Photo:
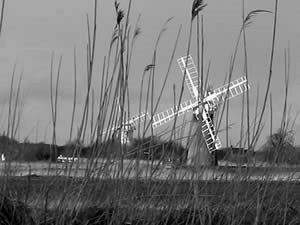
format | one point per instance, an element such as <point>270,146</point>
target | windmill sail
<point>133,120</point>
<point>187,66</point>
<point>228,91</point>
<point>165,116</point>
<point>129,124</point>
<point>209,134</point>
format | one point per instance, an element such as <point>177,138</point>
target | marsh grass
<point>116,189</point>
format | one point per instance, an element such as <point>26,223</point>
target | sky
<point>33,30</point>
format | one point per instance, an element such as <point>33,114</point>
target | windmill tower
<point>203,109</point>
<point>124,133</point>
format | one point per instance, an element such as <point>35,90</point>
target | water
<point>157,171</point>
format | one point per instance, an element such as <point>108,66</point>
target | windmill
<point>124,132</point>
<point>203,109</point>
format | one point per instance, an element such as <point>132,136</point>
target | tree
<point>280,148</point>
<point>282,139</point>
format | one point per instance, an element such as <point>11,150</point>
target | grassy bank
<point>177,202</point>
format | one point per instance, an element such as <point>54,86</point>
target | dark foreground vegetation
<point>61,200</point>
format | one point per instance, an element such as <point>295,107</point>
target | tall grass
<point>118,190</point>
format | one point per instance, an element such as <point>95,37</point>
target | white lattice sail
<point>187,66</point>
<point>228,91</point>
<point>169,114</point>
<point>209,134</point>
<point>127,125</point>
<point>133,120</point>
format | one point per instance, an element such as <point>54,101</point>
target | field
<point>222,195</point>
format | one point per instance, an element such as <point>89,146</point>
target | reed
<point>119,184</point>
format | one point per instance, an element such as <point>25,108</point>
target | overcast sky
<point>33,29</point>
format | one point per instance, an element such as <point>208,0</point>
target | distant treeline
<point>149,148</point>
<point>146,149</point>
